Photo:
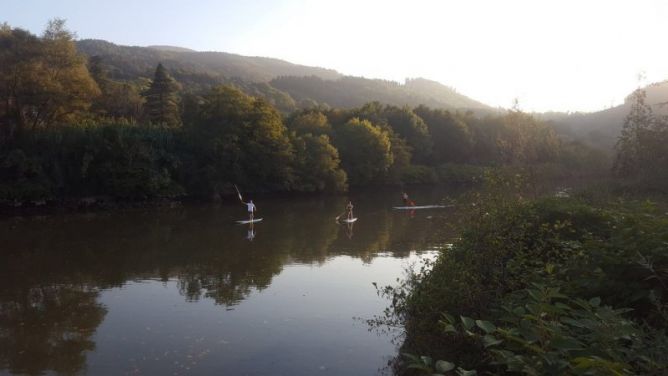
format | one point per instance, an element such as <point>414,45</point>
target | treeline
<point>69,129</point>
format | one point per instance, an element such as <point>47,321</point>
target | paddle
<point>239,194</point>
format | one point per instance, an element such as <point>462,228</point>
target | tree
<point>642,148</point>
<point>118,100</point>
<point>317,164</point>
<point>450,135</point>
<point>162,105</point>
<point>365,150</point>
<point>405,123</point>
<point>239,139</point>
<point>309,121</point>
<point>43,81</point>
<point>632,139</point>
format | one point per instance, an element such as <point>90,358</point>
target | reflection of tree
<point>202,248</point>
<point>48,328</point>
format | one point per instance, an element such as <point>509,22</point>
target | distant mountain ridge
<point>136,61</point>
<point>171,48</point>
<point>274,78</point>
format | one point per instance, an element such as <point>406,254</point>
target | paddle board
<point>253,221</point>
<point>419,207</point>
<point>348,220</point>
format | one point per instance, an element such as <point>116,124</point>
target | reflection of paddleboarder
<point>251,232</point>
<point>349,208</point>
<point>349,230</point>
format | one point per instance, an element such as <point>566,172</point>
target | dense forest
<point>72,127</point>
<point>75,125</point>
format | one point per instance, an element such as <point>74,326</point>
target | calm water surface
<point>188,291</point>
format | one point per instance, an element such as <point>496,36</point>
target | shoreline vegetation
<point>70,132</point>
<point>573,283</point>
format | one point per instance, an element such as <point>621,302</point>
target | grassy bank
<point>553,286</point>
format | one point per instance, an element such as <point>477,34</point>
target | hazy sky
<point>553,55</point>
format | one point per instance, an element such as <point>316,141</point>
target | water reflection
<point>48,327</point>
<point>251,232</point>
<point>54,267</point>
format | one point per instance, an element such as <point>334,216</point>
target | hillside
<point>286,85</point>
<point>602,128</point>
<point>348,92</point>
<point>131,62</point>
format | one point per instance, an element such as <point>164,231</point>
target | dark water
<point>185,291</point>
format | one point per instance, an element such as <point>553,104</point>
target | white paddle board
<point>253,221</point>
<point>349,220</point>
<point>419,207</point>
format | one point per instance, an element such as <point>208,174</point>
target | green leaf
<point>467,322</point>
<point>565,344</point>
<point>450,329</point>
<point>519,311</point>
<point>443,366</point>
<point>426,360</point>
<point>489,340</point>
<point>595,302</point>
<point>449,318</point>
<point>487,326</point>
<point>463,372</point>
<point>535,295</point>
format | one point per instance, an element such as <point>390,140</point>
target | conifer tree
<point>161,99</point>
<point>630,144</point>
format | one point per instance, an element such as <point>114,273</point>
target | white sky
<point>552,55</point>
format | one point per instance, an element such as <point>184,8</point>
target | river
<point>187,291</point>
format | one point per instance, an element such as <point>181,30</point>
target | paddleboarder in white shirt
<point>251,209</point>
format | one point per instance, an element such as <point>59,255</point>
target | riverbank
<point>561,285</point>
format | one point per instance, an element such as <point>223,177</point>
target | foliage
<point>162,106</point>
<point>449,132</point>
<point>317,165</point>
<point>238,139</point>
<point>109,141</point>
<point>118,100</point>
<point>405,123</point>
<point>43,80</point>
<point>563,262</point>
<point>118,160</point>
<point>365,150</point>
<point>642,148</point>
<point>309,121</point>
<point>549,333</point>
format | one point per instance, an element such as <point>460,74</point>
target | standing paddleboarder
<point>249,205</point>
<point>251,209</point>
<point>349,211</point>
<point>349,208</point>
